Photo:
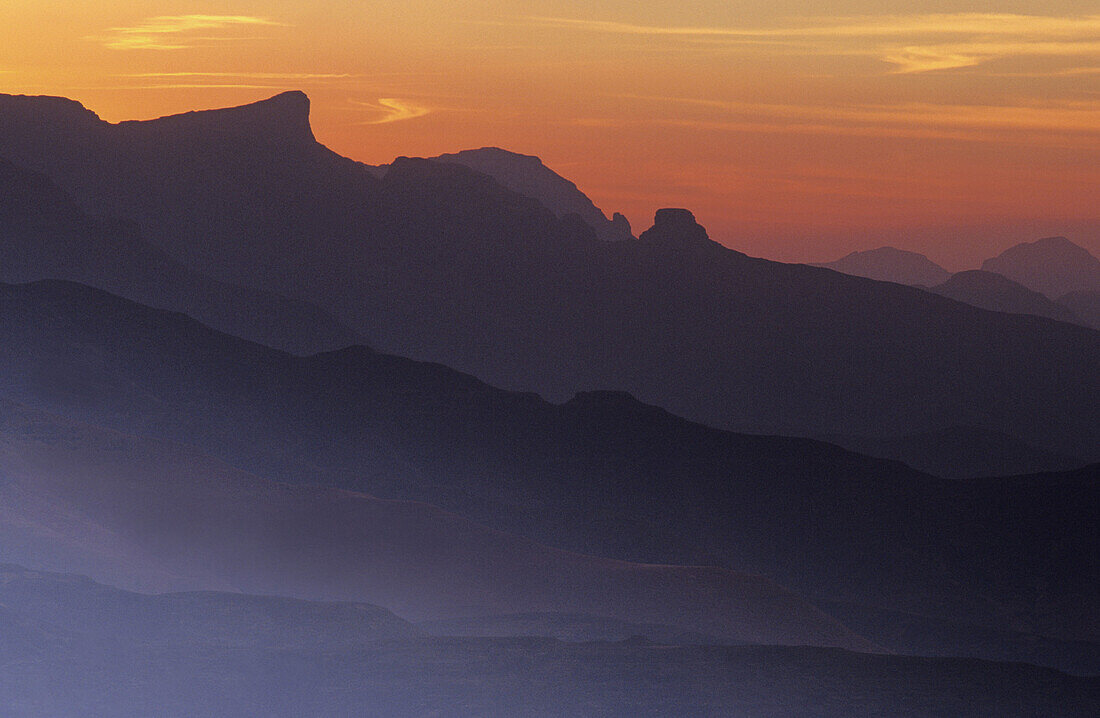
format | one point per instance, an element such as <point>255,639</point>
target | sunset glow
<point>793,131</point>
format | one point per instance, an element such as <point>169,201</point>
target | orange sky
<point>795,131</point>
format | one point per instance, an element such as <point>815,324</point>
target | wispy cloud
<point>912,43</point>
<point>178,32</point>
<point>393,109</point>
<point>1041,124</point>
<point>245,75</point>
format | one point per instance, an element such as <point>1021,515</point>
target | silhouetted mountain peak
<point>1058,242</point>
<point>621,224</point>
<point>890,264</point>
<point>418,168</point>
<point>672,217</point>
<point>1053,266</point>
<point>675,226</point>
<point>283,118</point>
<point>529,176</point>
<point>46,110</point>
<point>494,153</point>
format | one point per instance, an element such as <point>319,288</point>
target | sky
<point>795,131</point>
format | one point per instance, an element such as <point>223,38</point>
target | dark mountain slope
<point>439,262</point>
<point>602,473</point>
<point>1084,304</point>
<point>43,235</point>
<point>888,264</point>
<point>960,452</point>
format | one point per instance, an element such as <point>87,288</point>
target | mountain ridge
<point>439,263</point>
<point>602,474</point>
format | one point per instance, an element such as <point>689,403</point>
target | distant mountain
<point>961,453</point>
<point>441,263</point>
<point>995,292</point>
<point>1085,305</point>
<point>216,655</point>
<point>602,474</point>
<point>574,627</point>
<point>528,176</point>
<point>78,498</point>
<point>232,620</point>
<point>915,634</point>
<point>44,235</point>
<point>1053,266</point>
<point>888,264</point>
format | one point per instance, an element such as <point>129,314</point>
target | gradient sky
<point>797,131</point>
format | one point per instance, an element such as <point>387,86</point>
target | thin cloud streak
<point>393,109</point>
<point>1073,116</point>
<point>246,75</point>
<point>1068,124</point>
<point>175,32</point>
<point>982,36</point>
<point>1084,27</point>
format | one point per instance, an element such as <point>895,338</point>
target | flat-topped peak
<point>45,110</point>
<point>674,217</point>
<point>491,153</point>
<point>674,226</point>
<point>282,118</point>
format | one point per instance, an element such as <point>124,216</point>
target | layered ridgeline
<point>70,646</point>
<point>152,515</point>
<point>44,235</point>
<point>1085,305</point>
<point>440,262</point>
<point>1051,277</point>
<point>601,474</point>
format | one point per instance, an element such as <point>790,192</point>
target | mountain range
<point>601,474</point>
<point>153,516</point>
<point>67,649</point>
<point>282,433</point>
<point>439,262</point>
<point>1051,277</point>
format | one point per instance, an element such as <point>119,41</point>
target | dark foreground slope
<point>602,473</point>
<point>1085,305</point>
<point>439,262</point>
<point>240,665</point>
